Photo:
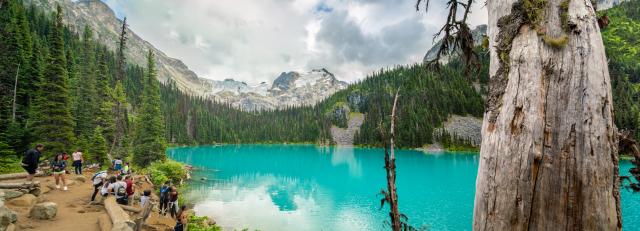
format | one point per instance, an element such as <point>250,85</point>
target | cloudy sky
<point>256,40</point>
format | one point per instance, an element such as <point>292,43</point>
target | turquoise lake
<point>306,187</point>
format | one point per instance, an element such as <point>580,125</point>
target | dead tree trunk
<point>391,195</point>
<point>548,159</point>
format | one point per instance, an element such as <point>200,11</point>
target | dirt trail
<point>74,210</point>
<point>344,137</point>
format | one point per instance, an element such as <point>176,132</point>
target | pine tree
<point>104,100</point>
<point>149,141</point>
<point>86,107</point>
<point>119,141</point>
<point>52,123</point>
<point>98,147</point>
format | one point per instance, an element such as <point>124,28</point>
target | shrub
<point>162,171</point>
<point>197,223</point>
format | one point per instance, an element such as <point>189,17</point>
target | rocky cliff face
<point>477,33</point>
<point>288,89</point>
<point>106,26</point>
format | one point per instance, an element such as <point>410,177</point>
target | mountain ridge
<point>102,19</point>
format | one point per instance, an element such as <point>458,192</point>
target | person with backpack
<point>119,190</point>
<point>173,202</point>
<point>58,166</point>
<point>98,180</point>
<point>129,181</point>
<point>31,160</point>
<point>77,161</point>
<point>164,198</point>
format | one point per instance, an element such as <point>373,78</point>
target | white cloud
<point>254,41</point>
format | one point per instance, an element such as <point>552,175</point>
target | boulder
<point>44,211</point>
<point>51,186</point>
<point>81,178</point>
<point>45,190</point>
<point>7,216</point>
<point>69,183</point>
<point>10,194</point>
<point>11,227</point>
<point>26,200</point>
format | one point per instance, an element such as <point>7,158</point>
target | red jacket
<point>129,187</point>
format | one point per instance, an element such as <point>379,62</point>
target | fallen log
<point>18,175</point>
<point>131,209</point>
<point>119,218</point>
<point>20,185</point>
<point>104,223</point>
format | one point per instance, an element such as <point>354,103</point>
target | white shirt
<point>99,177</point>
<point>77,156</point>
<point>144,200</point>
<point>116,186</point>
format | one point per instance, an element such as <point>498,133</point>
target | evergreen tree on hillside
<point>52,123</point>
<point>86,107</point>
<point>121,117</point>
<point>104,99</point>
<point>149,142</point>
<point>98,147</point>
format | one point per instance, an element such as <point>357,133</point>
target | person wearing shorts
<point>31,160</point>
<point>58,166</point>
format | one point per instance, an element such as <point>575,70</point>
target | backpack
<point>122,191</point>
<point>96,175</point>
<point>163,191</point>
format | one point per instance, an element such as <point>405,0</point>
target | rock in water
<point>81,178</point>
<point>44,211</point>
<point>25,200</point>
<point>10,194</point>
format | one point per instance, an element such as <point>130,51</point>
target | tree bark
<point>390,166</point>
<point>548,158</point>
<point>12,176</point>
<point>20,185</point>
<point>119,218</point>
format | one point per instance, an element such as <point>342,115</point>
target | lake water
<point>306,187</point>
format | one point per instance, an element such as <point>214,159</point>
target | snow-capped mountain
<point>288,89</point>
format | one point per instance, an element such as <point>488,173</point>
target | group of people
<point>31,161</point>
<point>119,185</point>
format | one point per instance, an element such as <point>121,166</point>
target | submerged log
<point>119,218</point>
<point>20,185</point>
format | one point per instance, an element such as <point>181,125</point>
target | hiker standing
<point>31,160</point>
<point>98,180</point>
<point>77,161</point>
<point>129,181</point>
<point>117,165</point>
<point>164,198</point>
<point>58,166</point>
<point>145,198</point>
<point>173,202</point>
<point>126,170</point>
